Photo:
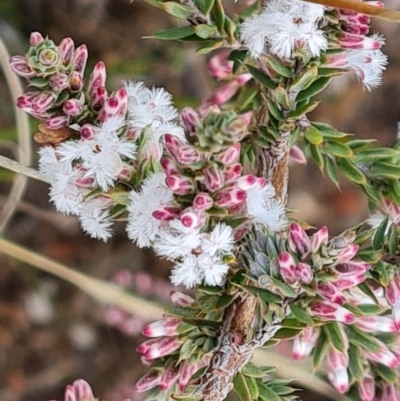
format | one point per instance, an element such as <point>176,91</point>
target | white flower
<point>95,219</point>
<point>213,269</point>
<point>48,162</point>
<point>154,194</point>
<point>70,151</point>
<point>284,25</point>
<point>187,273</point>
<point>219,241</point>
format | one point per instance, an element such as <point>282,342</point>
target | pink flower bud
<point>297,155</point>
<point>350,41</point>
<point>126,172</point>
<point>352,268</point>
<point>177,298</point>
<point>165,327</point>
<point>328,291</point>
<point>202,201</point>
<point>389,392</point>
<point>180,184</point>
<point>230,197</point>
<point>247,181</point>
<point>35,38</point>
<point>76,81</point>
<point>319,238</point>
<point>224,93</point>
<point>166,213</point>
<point>87,132</point>
<point>84,182</point>
<point>97,77</point>
<point>19,66</point>
<point>169,166</point>
<point>169,377</point>
<point>190,119</point>
<point>369,324</point>
<point>232,172</point>
<point>246,117</point>
<point>366,389</point>
<point>173,144</point>
<point>187,154</point>
<point>43,102</point>
<point>69,394</point>
<point>80,58</point>
<point>330,311</point>
<point>186,372</point>
<point>287,266</point>
<point>157,348</point>
<point>219,66</point>
<point>73,107</point>
<point>303,273</point>
<point>393,292</point>
<point>122,97</point>
<point>348,253</point>
<point>243,78</point>
<point>298,239</point>
<point>230,155</point>
<point>383,356</point>
<point>25,102</point>
<point>148,381</point>
<point>59,82</point>
<point>98,98</point>
<point>348,282</point>
<point>304,344</point>
<point>57,122</point>
<point>66,48</point>
<point>193,218</point>
<point>83,391</point>
<point>396,314</point>
<point>337,370</point>
<point>110,109</point>
<point>213,178</point>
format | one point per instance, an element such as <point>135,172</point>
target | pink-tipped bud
<point>80,58</point>
<point>247,181</point>
<point>230,155</point>
<point>396,314</point>
<point>298,239</point>
<point>331,311</point>
<point>180,184</point>
<point>165,327</point>
<point>297,155</point>
<point>19,66</point>
<point>352,268</point>
<point>57,122</point>
<point>246,117</point>
<point>122,96</point>
<point>69,394</point>
<point>73,107</point>
<point>169,166</point>
<point>351,41</point>
<point>369,324</point>
<point>187,154</point>
<point>59,82</point>
<point>35,38</point>
<point>186,372</point>
<point>44,102</point>
<point>348,282</point>
<point>166,213</point>
<point>97,77</point>
<point>126,172</point>
<point>319,238</point>
<point>148,381</point>
<point>219,66</point>
<point>110,109</point>
<point>161,347</point>
<point>337,370</point>
<point>82,390</point>
<point>180,299</point>
<point>193,218</point>
<point>203,201</point>
<point>84,182</point>
<point>98,98</point>
<point>173,144</point>
<point>213,178</point>
<point>232,172</point>
<point>390,392</point>
<point>328,291</point>
<point>169,377</point>
<point>230,197</point>
<point>87,132</point>
<point>76,81</point>
<point>383,356</point>
<point>304,344</point>
<point>348,253</point>
<point>25,102</point>
<point>366,389</point>
<point>66,48</point>
<point>303,273</point>
<point>224,93</point>
<point>287,266</point>
<point>190,119</point>
<point>243,78</point>
<point>392,292</point>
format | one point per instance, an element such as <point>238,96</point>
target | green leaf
<point>329,132</point>
<point>317,156</point>
<point>262,78</point>
<point>388,374</point>
<point>205,5</point>
<point>225,301</point>
<point>393,240</point>
<point>316,87</point>
<point>371,155</point>
<point>331,170</point>
<point>286,334</point>
<point>275,65</point>
<point>385,170</point>
<point>313,135</point>
<point>304,80</point>
<point>361,339</point>
<point>186,397</point>
<point>178,10</point>
<point>301,315</point>
<point>360,144</point>
<point>174,33</point>
<point>38,82</point>
<point>253,371</point>
<point>219,15</point>
<point>210,289</point>
<point>273,109</point>
<point>206,31</point>
<point>380,232</point>
<point>330,72</point>
<point>241,388</point>
<point>307,108</point>
<point>210,46</point>
<point>350,171</point>
<point>181,311</point>
<point>266,393</point>
<point>338,149</point>
<point>334,335</point>
<point>252,386</point>
<point>238,57</point>
<point>371,192</point>
<point>356,363</point>
<point>320,350</point>
<point>120,197</point>
<point>265,295</point>
<point>285,289</point>
<point>246,97</point>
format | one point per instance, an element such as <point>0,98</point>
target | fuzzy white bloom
<point>142,226</point>
<point>263,209</point>
<point>219,241</point>
<point>213,269</point>
<point>95,219</point>
<point>187,273</point>
<point>48,162</point>
<point>284,25</point>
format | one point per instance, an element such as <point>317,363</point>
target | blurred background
<point>52,333</point>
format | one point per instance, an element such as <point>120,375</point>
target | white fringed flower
<point>154,194</point>
<point>187,272</point>
<point>284,25</point>
<point>219,241</point>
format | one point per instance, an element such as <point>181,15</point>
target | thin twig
<point>24,140</point>
<point>12,165</point>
